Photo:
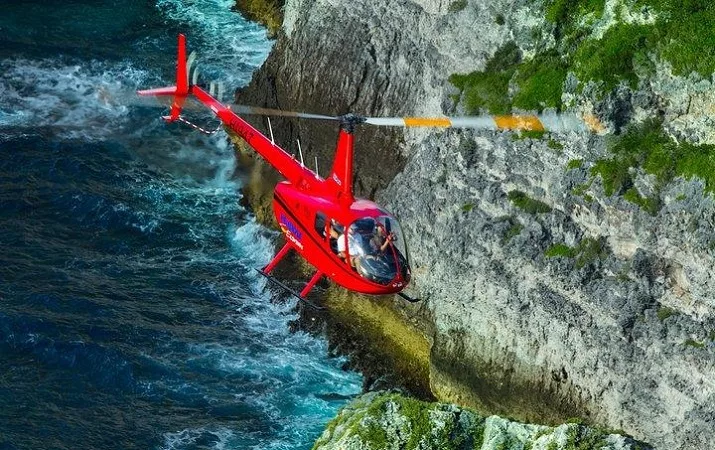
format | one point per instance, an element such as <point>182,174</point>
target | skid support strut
<point>318,275</point>
<point>276,259</point>
<point>266,272</point>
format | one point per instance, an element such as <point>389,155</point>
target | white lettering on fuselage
<point>337,180</point>
<point>292,238</point>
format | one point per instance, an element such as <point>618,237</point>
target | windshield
<point>377,248</point>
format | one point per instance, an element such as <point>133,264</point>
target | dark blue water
<point>130,314</point>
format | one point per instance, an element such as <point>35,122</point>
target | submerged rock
<point>392,421</point>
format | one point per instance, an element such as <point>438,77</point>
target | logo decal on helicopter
<point>291,231</point>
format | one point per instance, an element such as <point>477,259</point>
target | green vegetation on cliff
<point>586,252</point>
<point>540,82</point>
<point>609,46</point>
<point>596,45</point>
<point>488,89</point>
<point>528,204</point>
<point>648,147</point>
<point>266,12</point>
<point>379,421</point>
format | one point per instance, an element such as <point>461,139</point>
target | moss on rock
<point>393,421</point>
<point>266,12</point>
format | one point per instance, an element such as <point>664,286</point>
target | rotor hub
<point>348,122</point>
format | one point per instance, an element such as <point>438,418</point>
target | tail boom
<point>283,162</point>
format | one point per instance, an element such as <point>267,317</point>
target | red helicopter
<point>352,241</point>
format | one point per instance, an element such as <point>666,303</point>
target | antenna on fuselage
<point>300,152</point>
<point>270,129</point>
<point>316,166</point>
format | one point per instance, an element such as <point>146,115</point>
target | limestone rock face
<point>615,325</point>
<point>390,421</point>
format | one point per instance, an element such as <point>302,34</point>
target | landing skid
<point>281,285</point>
<point>408,298</point>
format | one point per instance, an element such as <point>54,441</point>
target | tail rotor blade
<point>190,62</point>
<point>221,89</point>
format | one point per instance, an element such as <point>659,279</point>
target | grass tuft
<point>664,312</point>
<point>540,81</point>
<point>586,252</point>
<point>560,250</point>
<point>513,231</point>
<point>613,58</point>
<point>693,343</point>
<point>457,5</point>
<point>528,204</point>
<point>647,146</point>
<point>649,204</point>
<point>574,164</point>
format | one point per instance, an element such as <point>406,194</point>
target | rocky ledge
<point>381,421</point>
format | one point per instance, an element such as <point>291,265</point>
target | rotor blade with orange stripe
<point>545,122</point>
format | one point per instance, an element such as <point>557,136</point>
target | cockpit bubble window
<point>377,249</point>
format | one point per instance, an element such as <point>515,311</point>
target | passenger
<point>334,230</point>
<point>353,247</point>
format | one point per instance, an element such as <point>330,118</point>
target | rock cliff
<point>562,275</point>
<point>391,421</point>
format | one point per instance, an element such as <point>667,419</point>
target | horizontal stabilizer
<point>158,91</point>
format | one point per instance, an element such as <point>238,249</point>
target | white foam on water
<point>228,40</point>
<point>284,376</point>
<point>86,101</point>
<point>221,438</point>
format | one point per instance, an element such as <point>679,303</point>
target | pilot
<point>380,241</point>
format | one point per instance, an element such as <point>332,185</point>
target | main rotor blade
<point>244,109</point>
<point>544,122</point>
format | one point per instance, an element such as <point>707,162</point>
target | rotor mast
<point>341,176</point>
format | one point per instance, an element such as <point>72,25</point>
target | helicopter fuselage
<point>305,220</point>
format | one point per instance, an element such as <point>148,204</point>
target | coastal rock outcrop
<point>383,421</point>
<point>558,280</point>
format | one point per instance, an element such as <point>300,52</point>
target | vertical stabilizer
<point>181,90</point>
<point>182,80</point>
